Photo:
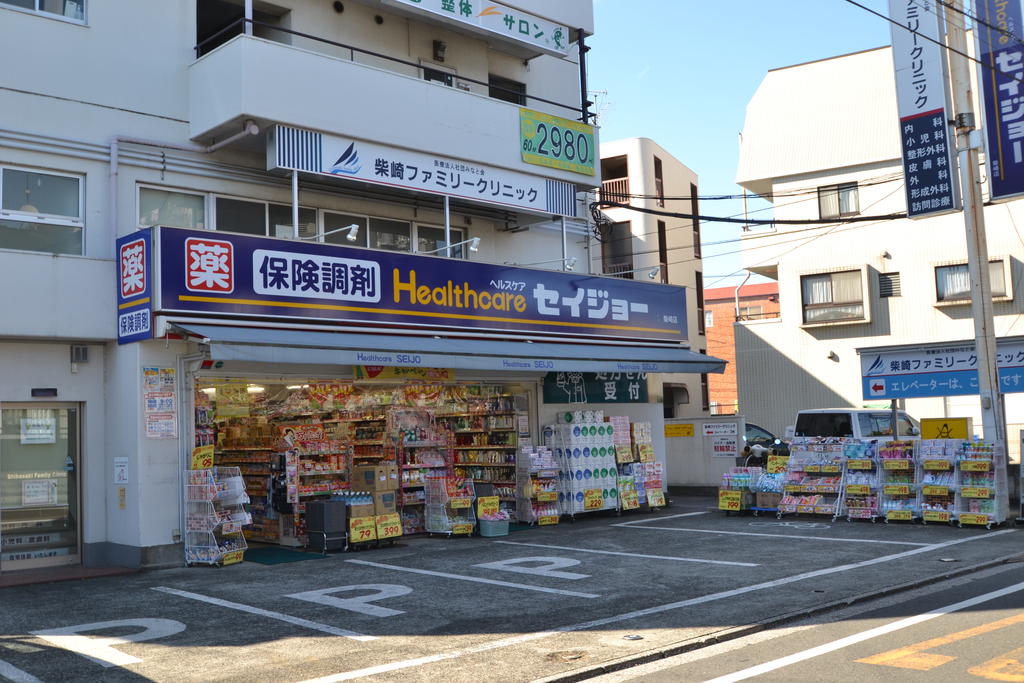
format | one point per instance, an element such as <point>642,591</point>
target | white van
<point>859,423</point>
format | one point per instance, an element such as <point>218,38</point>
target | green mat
<point>276,555</point>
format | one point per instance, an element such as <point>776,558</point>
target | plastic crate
<point>491,528</point>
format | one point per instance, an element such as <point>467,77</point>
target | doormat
<point>275,555</point>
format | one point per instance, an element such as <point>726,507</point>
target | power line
<point>753,221</point>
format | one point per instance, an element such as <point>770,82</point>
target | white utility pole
<point>967,139</point>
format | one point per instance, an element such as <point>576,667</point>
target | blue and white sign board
<point>330,155</point>
<point>135,287</point>
<point>937,371</point>
<point>1002,68</point>
<point>922,98</point>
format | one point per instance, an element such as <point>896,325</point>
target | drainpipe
<point>248,17</point>
<point>250,128</point>
<point>448,228</point>
<point>295,205</point>
<point>565,252</point>
<point>738,294</point>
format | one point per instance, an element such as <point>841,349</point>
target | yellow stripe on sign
<point>416,314</point>
<point>915,656</point>
<point>137,302</point>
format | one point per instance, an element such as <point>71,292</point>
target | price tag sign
<point>857,489</point>
<point>812,468</point>
<point>458,503</point>
<point>937,464</point>
<point>630,500</point>
<point>555,142</point>
<point>388,526</point>
<point>809,509</point>
<point>777,463</point>
<point>592,499</point>
<point>547,519</point>
<point>935,491</point>
<point>974,492</point>
<point>656,499</point>
<point>487,506</point>
<point>900,515</point>
<point>859,464</point>
<point>899,464</point>
<point>935,515</point>
<point>362,529</point>
<point>234,557</point>
<point>830,469</point>
<point>973,518</point>
<point>896,490</point>
<point>462,529</point>
<point>975,466</point>
<point>547,496</point>
<point>730,500</point>
<point>202,457</point>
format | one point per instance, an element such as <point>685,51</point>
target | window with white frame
<point>430,238</point>
<point>69,9</point>
<point>40,211</point>
<point>172,208</point>
<point>335,231</point>
<point>838,201</point>
<point>709,319</point>
<point>253,217</point>
<point>391,235</point>
<point>953,282</point>
<point>833,297</point>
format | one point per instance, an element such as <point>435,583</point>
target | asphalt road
<point>966,629</point>
<point>545,602</point>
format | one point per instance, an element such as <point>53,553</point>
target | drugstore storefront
<point>375,370</point>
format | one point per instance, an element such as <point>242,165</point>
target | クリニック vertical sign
<point>1002,93</point>
<point>923,102</point>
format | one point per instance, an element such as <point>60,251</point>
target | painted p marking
<point>548,567</point>
<point>100,648</point>
<point>360,604</point>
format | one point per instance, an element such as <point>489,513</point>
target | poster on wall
<point>39,492</point>
<point>724,446</point>
<point>36,430</point>
<point>159,402</point>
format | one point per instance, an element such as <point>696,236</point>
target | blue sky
<point>682,71</point>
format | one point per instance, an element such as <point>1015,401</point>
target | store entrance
<point>39,499</point>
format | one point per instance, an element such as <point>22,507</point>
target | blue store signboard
<point>134,287</point>
<point>240,276</point>
<point>937,371</point>
<point>1002,70</point>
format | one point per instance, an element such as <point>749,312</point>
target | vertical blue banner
<point>1002,96</point>
<point>135,287</point>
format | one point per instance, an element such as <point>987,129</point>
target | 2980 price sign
<point>555,142</point>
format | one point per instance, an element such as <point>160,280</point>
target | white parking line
<point>13,673</point>
<point>476,579</point>
<point>865,635</point>
<point>658,519</point>
<point>792,536</point>
<point>420,661</point>
<point>646,557</point>
<point>266,613</point>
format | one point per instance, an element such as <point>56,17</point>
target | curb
<point>749,629</point>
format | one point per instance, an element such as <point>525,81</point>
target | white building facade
<point>821,141</point>
<point>357,130</point>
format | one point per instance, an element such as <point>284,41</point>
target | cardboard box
<point>365,510</point>
<point>385,502</point>
<point>394,478</point>
<point>371,478</point>
<point>767,500</point>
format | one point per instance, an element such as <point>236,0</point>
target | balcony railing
<point>758,316</point>
<point>616,190</point>
<point>237,27</point>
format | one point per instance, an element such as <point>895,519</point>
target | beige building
<point>821,141</point>
<point>643,246</point>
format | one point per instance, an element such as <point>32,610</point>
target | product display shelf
<point>981,497</point>
<point>861,482</point>
<point>588,471</point>
<point>214,516</point>
<point>421,458</point>
<point>900,500</point>
<point>814,479</point>
<point>736,490</point>
<point>937,477</point>
<point>449,506</point>
<point>537,486</point>
<point>254,463</point>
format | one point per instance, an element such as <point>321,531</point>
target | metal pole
<point>447,229</point>
<point>295,205</point>
<point>565,252</point>
<point>974,224</point>
<point>584,102</point>
<point>248,17</point>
